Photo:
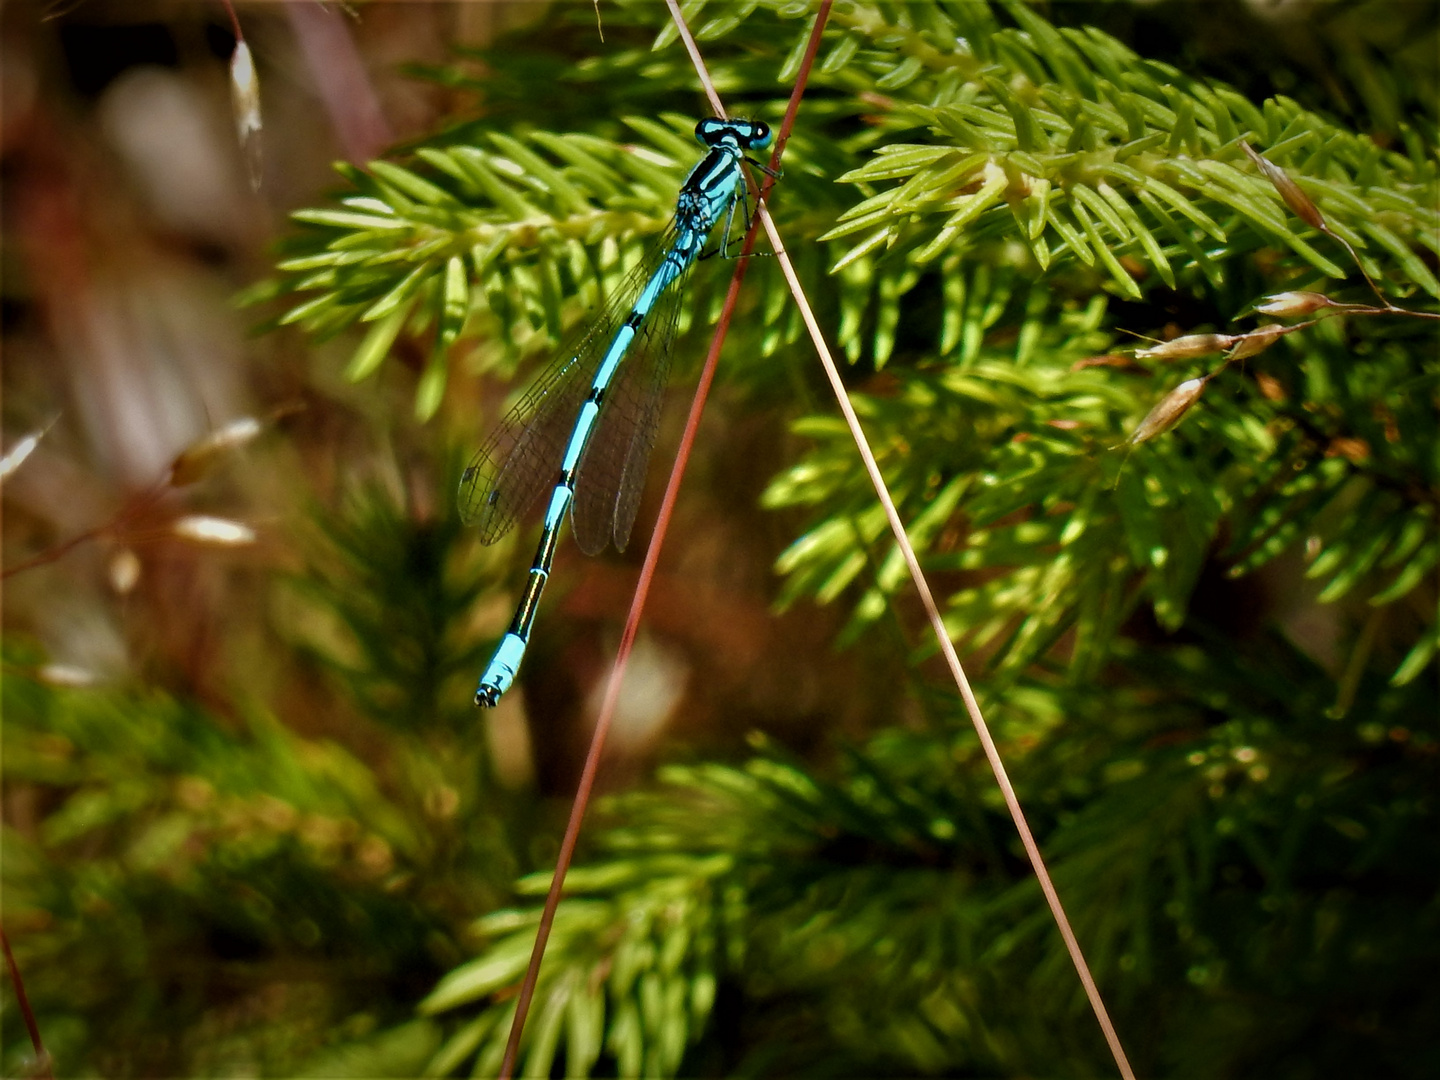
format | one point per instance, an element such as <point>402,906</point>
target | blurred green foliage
<point>983,199</point>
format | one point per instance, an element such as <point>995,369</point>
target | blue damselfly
<point>585,429</point>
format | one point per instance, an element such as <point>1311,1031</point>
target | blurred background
<point>130,230</point>
<point>130,227</point>
<point>251,816</point>
<point>216,517</point>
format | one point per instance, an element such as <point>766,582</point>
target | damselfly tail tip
<point>486,697</point>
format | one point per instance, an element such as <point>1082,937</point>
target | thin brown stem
<point>912,561</point>
<point>652,558</point>
<point>42,1057</point>
<point>136,506</point>
<point>234,19</point>
<point>947,648</point>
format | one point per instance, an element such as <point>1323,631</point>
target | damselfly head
<point>746,134</point>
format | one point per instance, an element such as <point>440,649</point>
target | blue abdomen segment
<point>501,672</point>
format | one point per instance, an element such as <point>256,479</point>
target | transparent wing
<point>520,461</point>
<point>612,472</point>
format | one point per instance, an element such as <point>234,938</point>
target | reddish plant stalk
<point>647,571</point>
<point>42,1058</point>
